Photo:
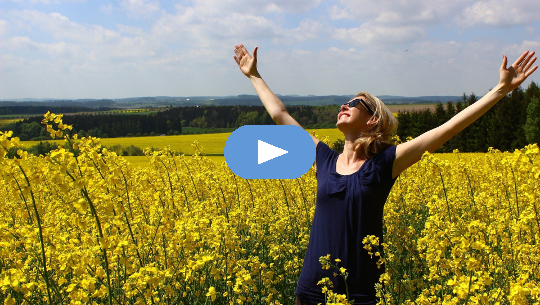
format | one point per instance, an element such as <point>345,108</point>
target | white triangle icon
<point>267,152</point>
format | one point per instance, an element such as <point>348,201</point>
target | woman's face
<point>353,118</point>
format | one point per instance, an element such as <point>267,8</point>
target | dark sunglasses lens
<point>355,102</point>
<point>349,104</point>
<point>367,107</point>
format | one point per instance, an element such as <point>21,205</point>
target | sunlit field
<point>213,144</point>
<point>463,229</point>
<point>4,122</point>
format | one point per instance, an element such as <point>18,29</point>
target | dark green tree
<point>532,122</point>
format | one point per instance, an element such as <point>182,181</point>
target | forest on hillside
<point>512,123</point>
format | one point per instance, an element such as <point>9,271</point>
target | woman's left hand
<point>513,76</point>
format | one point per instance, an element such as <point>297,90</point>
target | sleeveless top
<point>348,208</point>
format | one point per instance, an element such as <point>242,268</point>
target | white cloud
<point>368,34</point>
<point>60,27</point>
<point>255,6</point>
<point>308,29</point>
<point>500,13</point>
<point>89,44</point>
<point>107,9</point>
<point>385,47</point>
<point>197,29</point>
<point>391,12</point>
<point>131,30</point>
<point>44,1</point>
<point>201,28</point>
<point>4,27</point>
<point>140,8</point>
<point>10,63</point>
<point>516,50</point>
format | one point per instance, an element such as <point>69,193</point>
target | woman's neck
<point>352,155</point>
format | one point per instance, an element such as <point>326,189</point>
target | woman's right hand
<point>246,63</point>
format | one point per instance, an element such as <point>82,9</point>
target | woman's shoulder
<point>384,154</point>
<point>324,156</point>
<point>382,163</point>
<point>323,148</point>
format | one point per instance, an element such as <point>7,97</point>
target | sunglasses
<point>355,102</point>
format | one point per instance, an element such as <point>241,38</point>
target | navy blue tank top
<point>348,208</point>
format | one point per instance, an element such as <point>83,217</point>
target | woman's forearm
<point>275,107</point>
<point>470,114</point>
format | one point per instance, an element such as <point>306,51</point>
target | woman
<point>353,186</point>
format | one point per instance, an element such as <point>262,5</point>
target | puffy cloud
<point>199,27</point>
<point>4,27</point>
<point>368,34</point>
<point>396,12</point>
<point>91,44</point>
<point>307,30</point>
<point>131,30</point>
<point>45,1</point>
<point>194,28</point>
<point>140,8</point>
<point>107,9</point>
<point>61,27</point>
<point>518,49</point>
<point>256,6</point>
<point>470,13</point>
<point>500,13</point>
<point>398,47</point>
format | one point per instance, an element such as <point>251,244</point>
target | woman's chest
<point>344,168</point>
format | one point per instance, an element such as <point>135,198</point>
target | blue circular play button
<point>269,151</point>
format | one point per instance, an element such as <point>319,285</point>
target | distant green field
<point>141,111</point>
<point>17,116</point>
<point>4,122</point>
<point>197,130</point>
<point>212,144</point>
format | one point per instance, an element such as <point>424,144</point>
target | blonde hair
<point>379,136</point>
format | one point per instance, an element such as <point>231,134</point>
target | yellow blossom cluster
<point>464,231</point>
<point>81,226</point>
<point>332,298</point>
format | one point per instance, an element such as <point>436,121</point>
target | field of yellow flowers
<point>89,229</point>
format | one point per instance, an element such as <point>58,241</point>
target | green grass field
<point>212,144</point>
<point>197,130</point>
<point>4,122</point>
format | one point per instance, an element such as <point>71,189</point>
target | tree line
<point>170,121</point>
<point>33,109</point>
<point>512,123</point>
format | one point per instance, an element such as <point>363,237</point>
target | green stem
<point>40,231</point>
<point>103,250</point>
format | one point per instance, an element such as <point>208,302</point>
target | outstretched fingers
<point>237,54</point>
<point>519,61</point>
<point>528,63</point>
<point>243,50</point>
<point>531,70</point>
<point>522,65</point>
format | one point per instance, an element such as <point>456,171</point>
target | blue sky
<point>114,49</point>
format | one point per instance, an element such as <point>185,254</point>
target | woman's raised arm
<point>275,107</point>
<point>510,78</point>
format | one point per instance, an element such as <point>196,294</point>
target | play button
<point>269,151</point>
